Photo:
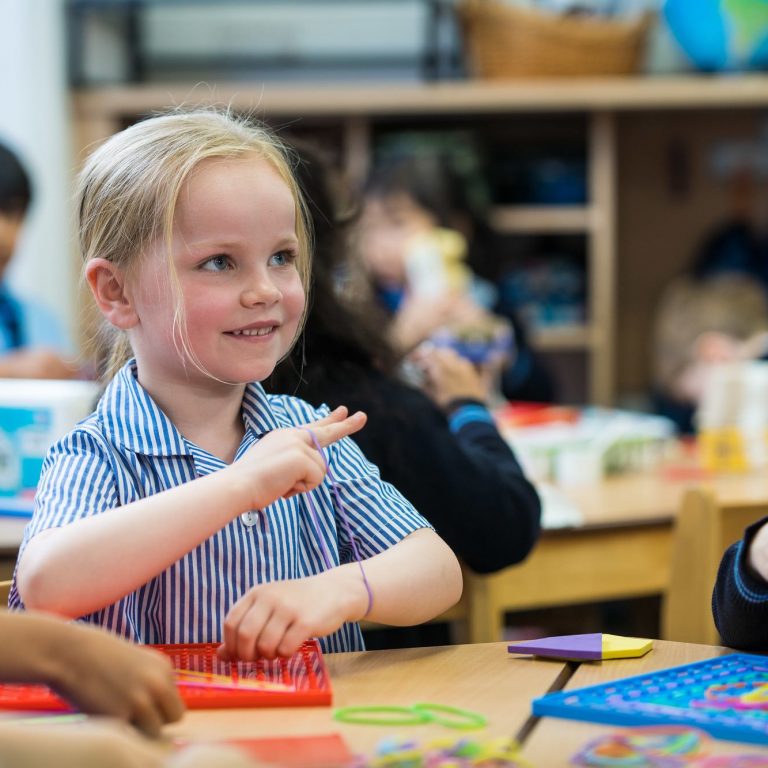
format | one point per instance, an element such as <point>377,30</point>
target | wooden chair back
<point>5,589</point>
<point>704,529</point>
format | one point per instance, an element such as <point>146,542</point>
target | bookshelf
<point>352,112</point>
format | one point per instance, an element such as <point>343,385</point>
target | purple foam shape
<point>589,647</point>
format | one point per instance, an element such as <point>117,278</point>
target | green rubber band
<point>370,716</point>
<point>458,719</point>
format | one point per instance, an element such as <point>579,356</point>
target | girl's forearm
<point>413,581</point>
<point>82,567</point>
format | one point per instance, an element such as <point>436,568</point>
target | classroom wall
<point>34,119</point>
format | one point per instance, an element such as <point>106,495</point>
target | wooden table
<point>622,548</point>
<point>482,678</point>
<point>552,741</point>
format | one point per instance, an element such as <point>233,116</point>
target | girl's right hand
<point>285,462</point>
<point>275,618</point>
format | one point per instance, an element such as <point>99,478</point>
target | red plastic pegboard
<point>305,671</point>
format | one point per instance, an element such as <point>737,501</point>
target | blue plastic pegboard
<point>706,694</point>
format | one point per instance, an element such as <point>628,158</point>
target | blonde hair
<point>731,303</point>
<point>128,190</point>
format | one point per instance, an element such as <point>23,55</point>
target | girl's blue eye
<point>282,258</point>
<point>216,264</point>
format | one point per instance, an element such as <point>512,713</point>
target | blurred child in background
<point>430,256</point>
<point>32,343</point>
<point>701,323</point>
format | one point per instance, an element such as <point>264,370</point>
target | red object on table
<point>305,671</point>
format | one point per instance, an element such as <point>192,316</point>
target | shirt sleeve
<point>740,598</point>
<point>77,481</point>
<point>376,514</point>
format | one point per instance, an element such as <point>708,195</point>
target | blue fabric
<point>129,449</point>
<point>391,297</point>
<point>25,323</point>
<point>739,565</point>
<point>468,414</point>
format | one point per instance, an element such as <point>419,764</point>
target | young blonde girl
<point>191,506</point>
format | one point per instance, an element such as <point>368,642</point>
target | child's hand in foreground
<point>275,618</point>
<point>101,673</point>
<point>285,462</point>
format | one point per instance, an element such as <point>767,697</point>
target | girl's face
<point>234,251</point>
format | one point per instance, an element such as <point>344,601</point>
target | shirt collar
<point>133,420</point>
<point>258,413</point>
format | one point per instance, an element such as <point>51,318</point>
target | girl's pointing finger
<point>330,433</point>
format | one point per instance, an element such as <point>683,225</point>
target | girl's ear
<point>108,285</point>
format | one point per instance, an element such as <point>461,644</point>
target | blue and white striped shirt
<point>129,449</point>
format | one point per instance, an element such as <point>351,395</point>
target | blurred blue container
<point>721,35</point>
<point>474,348</point>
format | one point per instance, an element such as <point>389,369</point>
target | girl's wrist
<point>236,490</point>
<point>349,586</point>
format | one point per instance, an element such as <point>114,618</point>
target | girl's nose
<point>260,290</point>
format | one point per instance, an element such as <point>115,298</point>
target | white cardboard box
<point>34,414</point>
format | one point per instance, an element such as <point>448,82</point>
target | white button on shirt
<point>128,449</point>
<point>249,517</point>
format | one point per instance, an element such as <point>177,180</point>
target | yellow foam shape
<point>616,647</point>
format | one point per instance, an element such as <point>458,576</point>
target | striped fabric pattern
<point>128,449</point>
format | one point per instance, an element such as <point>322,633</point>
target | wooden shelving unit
<point>355,109</point>
<point>543,219</point>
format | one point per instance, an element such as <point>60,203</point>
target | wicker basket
<point>503,40</point>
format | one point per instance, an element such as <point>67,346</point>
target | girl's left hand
<point>275,618</point>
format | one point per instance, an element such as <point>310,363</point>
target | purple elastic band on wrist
<point>344,520</point>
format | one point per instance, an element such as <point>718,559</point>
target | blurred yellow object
<point>434,263</point>
<point>723,449</point>
<point>732,417</point>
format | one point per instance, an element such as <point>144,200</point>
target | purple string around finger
<point>344,520</point>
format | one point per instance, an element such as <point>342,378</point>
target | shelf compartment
<point>563,337</point>
<point>536,219</point>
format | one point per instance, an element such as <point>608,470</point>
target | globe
<point>721,35</point>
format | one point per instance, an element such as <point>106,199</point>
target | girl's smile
<point>255,331</point>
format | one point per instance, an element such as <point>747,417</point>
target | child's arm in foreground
<point>98,672</point>
<point>127,546</point>
<point>411,582</point>
<point>107,745</point>
<point>740,598</point>
<point>758,553</point>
